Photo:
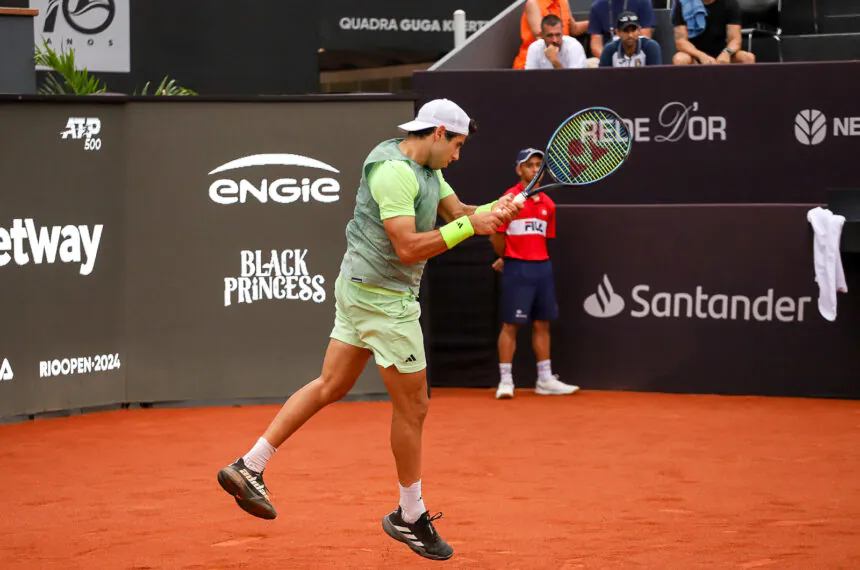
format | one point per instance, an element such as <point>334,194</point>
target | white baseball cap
<point>439,113</point>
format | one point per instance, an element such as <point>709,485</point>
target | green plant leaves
<point>166,87</point>
<point>74,81</point>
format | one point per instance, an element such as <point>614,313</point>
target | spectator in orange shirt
<point>530,28</point>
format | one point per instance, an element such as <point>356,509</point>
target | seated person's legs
<point>743,57</point>
<point>681,58</point>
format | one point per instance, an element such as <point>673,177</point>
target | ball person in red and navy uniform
<point>528,290</point>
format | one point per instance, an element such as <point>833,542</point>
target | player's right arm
<point>394,187</point>
<point>413,246</point>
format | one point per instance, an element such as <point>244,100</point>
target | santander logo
<point>605,303</point>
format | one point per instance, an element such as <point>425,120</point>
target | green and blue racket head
<point>589,146</point>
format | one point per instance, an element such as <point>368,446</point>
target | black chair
<point>761,18</point>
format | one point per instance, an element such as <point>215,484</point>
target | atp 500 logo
<point>85,128</point>
<point>281,190</point>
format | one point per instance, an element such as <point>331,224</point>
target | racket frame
<point>530,190</point>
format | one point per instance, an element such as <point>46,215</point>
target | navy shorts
<point>528,292</point>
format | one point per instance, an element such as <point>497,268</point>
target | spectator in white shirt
<point>555,50</point>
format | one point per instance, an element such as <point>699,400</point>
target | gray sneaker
<point>248,489</point>
<point>420,536</point>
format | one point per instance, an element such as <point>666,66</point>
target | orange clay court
<point>597,480</point>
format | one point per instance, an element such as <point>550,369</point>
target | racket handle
<point>519,198</point>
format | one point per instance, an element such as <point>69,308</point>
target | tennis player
<point>389,239</point>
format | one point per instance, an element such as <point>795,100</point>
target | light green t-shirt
<point>394,187</point>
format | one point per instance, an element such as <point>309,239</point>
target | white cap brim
<point>416,125</point>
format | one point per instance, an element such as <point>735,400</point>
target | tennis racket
<point>589,146</point>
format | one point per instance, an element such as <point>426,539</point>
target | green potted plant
<point>74,81</point>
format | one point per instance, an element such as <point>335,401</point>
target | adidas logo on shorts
<point>411,358</point>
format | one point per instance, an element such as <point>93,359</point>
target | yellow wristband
<point>485,207</point>
<point>457,231</point>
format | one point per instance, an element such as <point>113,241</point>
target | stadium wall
<point>140,262</point>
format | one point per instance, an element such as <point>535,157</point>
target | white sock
<point>505,372</point>
<point>412,502</point>
<point>544,370</point>
<point>259,455</point>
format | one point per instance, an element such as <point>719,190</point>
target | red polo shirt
<point>525,237</point>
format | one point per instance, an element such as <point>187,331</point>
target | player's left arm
<point>450,207</point>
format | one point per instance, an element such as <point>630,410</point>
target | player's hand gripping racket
<point>587,147</point>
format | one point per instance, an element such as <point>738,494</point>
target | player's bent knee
<point>412,411</point>
<point>419,411</point>
<point>408,392</point>
<point>333,388</point>
<point>416,408</point>
<point>416,403</point>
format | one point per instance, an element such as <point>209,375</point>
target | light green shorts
<point>385,324</point>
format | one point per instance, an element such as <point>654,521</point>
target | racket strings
<point>576,156</point>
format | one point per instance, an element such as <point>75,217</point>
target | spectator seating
<point>818,30</point>
<point>775,30</point>
<point>761,18</point>
<point>793,30</point>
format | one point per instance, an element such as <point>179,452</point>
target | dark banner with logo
<point>713,299</point>
<point>716,299</point>
<point>761,134</point>
<point>733,134</point>
<point>235,238</point>
<point>387,24</point>
<point>61,257</point>
<point>175,251</point>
